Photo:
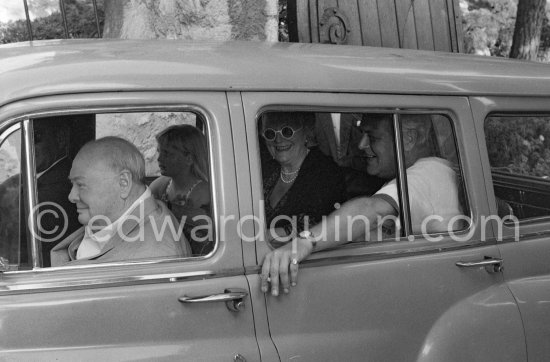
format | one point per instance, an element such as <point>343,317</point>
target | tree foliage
<point>80,21</point>
<point>520,145</point>
<point>489,27</point>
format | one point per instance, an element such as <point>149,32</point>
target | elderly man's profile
<point>121,219</point>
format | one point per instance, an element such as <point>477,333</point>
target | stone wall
<point>192,19</point>
<point>141,129</point>
<point>179,19</point>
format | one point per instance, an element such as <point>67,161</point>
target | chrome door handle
<point>492,265</point>
<point>232,297</point>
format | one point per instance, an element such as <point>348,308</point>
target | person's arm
<point>158,186</point>
<point>352,221</point>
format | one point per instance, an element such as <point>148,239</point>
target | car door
<point>413,298</point>
<point>195,308</point>
<point>514,148</point>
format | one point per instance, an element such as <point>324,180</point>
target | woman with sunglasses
<point>183,184</point>
<point>300,182</point>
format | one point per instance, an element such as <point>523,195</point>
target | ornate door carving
<point>414,24</point>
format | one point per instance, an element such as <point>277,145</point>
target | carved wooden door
<point>413,24</point>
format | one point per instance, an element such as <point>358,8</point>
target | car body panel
<point>129,311</point>
<point>400,301</point>
<point>483,327</point>
<point>525,249</point>
<point>391,301</point>
<point>66,67</point>
<point>526,272</point>
<point>127,323</point>
<point>379,310</point>
<point>248,228</point>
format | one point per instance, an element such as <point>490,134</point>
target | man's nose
<point>73,195</point>
<point>364,144</point>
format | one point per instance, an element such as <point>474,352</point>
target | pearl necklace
<point>290,176</point>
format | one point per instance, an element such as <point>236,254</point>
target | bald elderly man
<point>121,219</point>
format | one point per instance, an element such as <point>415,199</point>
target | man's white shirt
<point>92,243</point>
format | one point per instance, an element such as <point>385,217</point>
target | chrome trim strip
<point>9,131</point>
<point>103,283</point>
<point>208,118</point>
<point>481,263</point>
<point>214,177</point>
<point>32,198</point>
<point>529,221</point>
<point>221,297</point>
<point>523,237</point>
<point>125,264</point>
<point>121,109</point>
<point>451,116</point>
<point>402,175</point>
<point>374,256</point>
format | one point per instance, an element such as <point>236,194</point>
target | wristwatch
<point>308,235</point>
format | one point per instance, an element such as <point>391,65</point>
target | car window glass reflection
<point>10,198</point>
<point>101,173</point>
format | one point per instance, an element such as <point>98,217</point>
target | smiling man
<point>432,189</point>
<point>122,221</point>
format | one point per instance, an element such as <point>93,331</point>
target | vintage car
<point>477,291</point>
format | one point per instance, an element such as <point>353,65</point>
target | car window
<point>435,187</point>
<point>86,214</point>
<point>313,162</point>
<point>10,200</point>
<point>519,155</point>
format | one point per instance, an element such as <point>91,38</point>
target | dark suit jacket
<point>347,155</point>
<point>143,224</point>
<point>54,186</point>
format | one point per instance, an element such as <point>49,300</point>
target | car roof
<point>53,67</point>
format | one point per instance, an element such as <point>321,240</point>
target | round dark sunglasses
<point>286,132</point>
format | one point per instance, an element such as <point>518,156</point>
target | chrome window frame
<point>401,180</point>
<point>30,117</point>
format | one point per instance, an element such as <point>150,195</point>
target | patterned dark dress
<point>200,240</point>
<point>319,186</point>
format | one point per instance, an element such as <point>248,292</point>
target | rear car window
<point>519,154</point>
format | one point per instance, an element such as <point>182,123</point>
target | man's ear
<point>410,138</point>
<point>125,183</point>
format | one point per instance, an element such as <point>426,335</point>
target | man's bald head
<point>117,154</point>
<point>107,176</point>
